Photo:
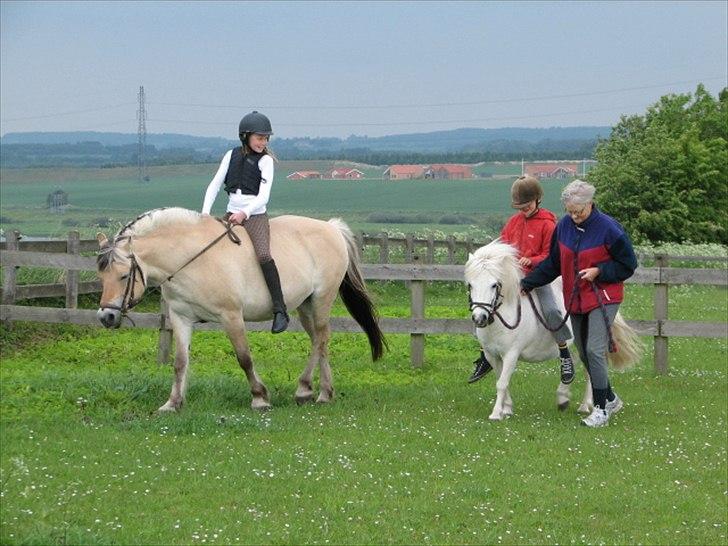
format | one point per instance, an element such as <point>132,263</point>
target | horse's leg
<point>304,392</point>
<point>182,330</point>
<point>235,329</point>
<point>509,365</point>
<point>563,396</point>
<point>587,403</point>
<point>321,306</point>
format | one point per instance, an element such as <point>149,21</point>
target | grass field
<point>402,456</point>
<point>111,197</point>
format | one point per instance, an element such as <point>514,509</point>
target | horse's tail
<point>353,292</point>
<point>629,346</point>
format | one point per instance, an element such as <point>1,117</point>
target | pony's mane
<point>141,225</point>
<point>499,259</point>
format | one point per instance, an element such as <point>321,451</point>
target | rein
<point>128,301</point>
<point>612,344</point>
<point>228,232</point>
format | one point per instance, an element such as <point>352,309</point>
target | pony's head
<point>122,277</point>
<point>492,273</point>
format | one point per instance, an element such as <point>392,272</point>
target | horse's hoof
<point>323,400</point>
<point>167,408</point>
<point>494,417</point>
<point>584,409</point>
<point>563,406</point>
<point>304,399</point>
<point>261,405</point>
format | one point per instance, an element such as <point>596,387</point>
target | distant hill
<point>91,148</point>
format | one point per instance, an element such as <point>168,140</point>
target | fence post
<point>360,242</point>
<point>431,249</point>
<point>661,299</point>
<point>384,248</point>
<point>165,333</point>
<point>417,311</point>
<point>10,273</point>
<point>450,249</point>
<point>72,247</point>
<point>409,248</point>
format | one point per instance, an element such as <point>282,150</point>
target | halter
<point>491,308</point>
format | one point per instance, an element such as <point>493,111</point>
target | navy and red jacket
<point>599,241</point>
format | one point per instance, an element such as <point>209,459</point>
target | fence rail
<point>65,255</point>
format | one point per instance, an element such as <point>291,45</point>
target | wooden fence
<point>66,255</point>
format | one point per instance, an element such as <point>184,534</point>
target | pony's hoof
<point>323,399</point>
<point>302,399</point>
<point>563,406</point>
<point>495,417</point>
<point>584,409</point>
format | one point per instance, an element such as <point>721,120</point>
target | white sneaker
<point>598,418</point>
<point>614,406</point>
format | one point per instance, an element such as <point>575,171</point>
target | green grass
<point>115,196</point>
<point>402,456</point>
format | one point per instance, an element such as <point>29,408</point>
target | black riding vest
<point>243,173</point>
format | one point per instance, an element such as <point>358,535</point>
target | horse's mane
<point>141,225</point>
<point>152,219</point>
<point>500,260</point>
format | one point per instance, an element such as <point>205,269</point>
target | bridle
<point>491,307</point>
<point>128,301</point>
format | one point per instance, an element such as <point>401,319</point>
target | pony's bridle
<point>490,308</point>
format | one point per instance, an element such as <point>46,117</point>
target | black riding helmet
<point>255,122</point>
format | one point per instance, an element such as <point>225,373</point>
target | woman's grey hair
<point>578,192</point>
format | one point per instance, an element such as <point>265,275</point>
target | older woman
<point>594,255</point>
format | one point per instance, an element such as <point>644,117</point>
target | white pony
<point>508,329</point>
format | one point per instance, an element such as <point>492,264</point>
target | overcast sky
<point>342,68</point>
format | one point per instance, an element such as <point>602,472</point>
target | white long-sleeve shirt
<point>239,202</point>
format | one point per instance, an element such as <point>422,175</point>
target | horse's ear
<point>103,241</point>
<point>470,256</point>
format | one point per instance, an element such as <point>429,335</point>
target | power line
<point>441,104</point>
<point>44,116</point>
<point>421,122</point>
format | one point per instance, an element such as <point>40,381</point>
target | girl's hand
<point>524,262</point>
<point>589,274</point>
<point>238,218</point>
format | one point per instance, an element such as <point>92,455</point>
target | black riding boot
<point>280,316</point>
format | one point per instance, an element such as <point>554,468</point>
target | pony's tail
<point>629,346</point>
<point>353,292</point>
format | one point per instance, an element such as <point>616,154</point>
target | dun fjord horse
<point>205,276</point>
<point>493,277</point>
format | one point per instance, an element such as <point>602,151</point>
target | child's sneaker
<point>598,418</point>
<point>482,367</point>
<point>567,370</point>
<point>614,406</point>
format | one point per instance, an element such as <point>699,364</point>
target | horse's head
<point>122,280</point>
<point>492,274</point>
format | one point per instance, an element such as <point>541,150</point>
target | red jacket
<point>531,236</point>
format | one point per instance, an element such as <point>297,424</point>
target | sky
<point>334,69</point>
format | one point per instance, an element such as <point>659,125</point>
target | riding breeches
<point>591,336</point>
<point>259,232</point>
<point>551,313</point>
